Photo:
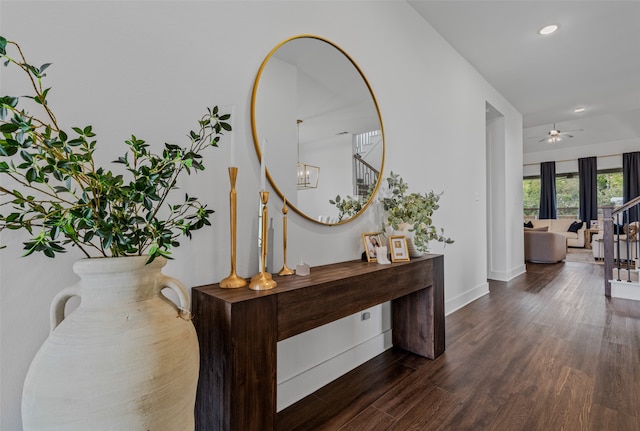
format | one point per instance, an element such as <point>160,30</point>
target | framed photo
<point>371,240</point>
<point>399,250</point>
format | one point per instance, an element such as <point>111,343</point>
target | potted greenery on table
<point>412,214</point>
<point>121,360</point>
<point>409,214</point>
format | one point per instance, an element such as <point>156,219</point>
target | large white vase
<point>403,229</point>
<point>126,359</point>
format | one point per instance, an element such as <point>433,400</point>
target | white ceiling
<point>593,60</point>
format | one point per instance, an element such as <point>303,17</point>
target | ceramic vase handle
<point>183,295</point>
<point>56,312</point>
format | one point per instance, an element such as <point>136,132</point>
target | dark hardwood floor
<point>545,351</point>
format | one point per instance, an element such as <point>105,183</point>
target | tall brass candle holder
<point>233,280</point>
<point>263,280</point>
<point>285,269</point>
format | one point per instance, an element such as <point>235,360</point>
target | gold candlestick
<point>233,280</point>
<point>285,269</point>
<point>263,280</point>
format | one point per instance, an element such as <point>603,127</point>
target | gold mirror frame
<point>256,140</point>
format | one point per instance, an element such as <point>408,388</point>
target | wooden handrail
<point>633,202</point>
<point>364,176</point>
<point>361,160</point>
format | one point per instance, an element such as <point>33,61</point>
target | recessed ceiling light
<point>548,29</point>
<point>579,109</point>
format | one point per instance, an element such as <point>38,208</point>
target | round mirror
<point>313,111</point>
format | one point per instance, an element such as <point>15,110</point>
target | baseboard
<point>309,381</point>
<point>507,276</point>
<point>625,290</point>
<point>467,297</point>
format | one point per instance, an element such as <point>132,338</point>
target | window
<point>609,184</point>
<point>531,196</point>
<point>609,188</point>
<point>568,194</point>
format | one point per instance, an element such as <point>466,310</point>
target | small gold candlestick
<point>285,269</point>
<point>263,280</point>
<point>233,280</point>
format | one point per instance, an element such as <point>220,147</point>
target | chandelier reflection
<point>307,174</point>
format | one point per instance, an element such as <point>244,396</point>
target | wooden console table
<point>238,329</point>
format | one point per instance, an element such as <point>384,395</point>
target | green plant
<point>350,206</point>
<point>414,209</point>
<point>62,198</point>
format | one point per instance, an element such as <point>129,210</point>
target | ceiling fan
<point>554,135</point>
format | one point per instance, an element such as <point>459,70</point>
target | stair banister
<point>365,172</point>
<point>608,216</point>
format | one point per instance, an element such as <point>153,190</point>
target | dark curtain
<point>631,180</point>
<point>547,190</point>
<point>588,172</point>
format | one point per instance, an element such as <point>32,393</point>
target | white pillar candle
<point>263,168</point>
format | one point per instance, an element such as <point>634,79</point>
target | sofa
<point>561,226</point>
<point>620,234</point>
<point>544,247</point>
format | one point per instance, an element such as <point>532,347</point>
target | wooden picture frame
<point>370,240</point>
<point>398,248</point>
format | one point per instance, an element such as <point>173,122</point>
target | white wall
<point>151,68</point>
<point>496,186</point>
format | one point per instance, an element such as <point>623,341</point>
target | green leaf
<point>26,156</point>
<point>45,92</point>
<point>3,46</point>
<point>75,142</point>
<point>9,128</point>
<point>31,175</point>
<point>55,231</point>
<point>9,101</point>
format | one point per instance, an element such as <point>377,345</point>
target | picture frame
<point>370,240</point>
<point>398,248</point>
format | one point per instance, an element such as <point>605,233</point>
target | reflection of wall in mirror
<point>275,116</point>
<point>333,156</point>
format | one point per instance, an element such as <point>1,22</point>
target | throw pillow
<point>528,224</point>
<point>575,227</point>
